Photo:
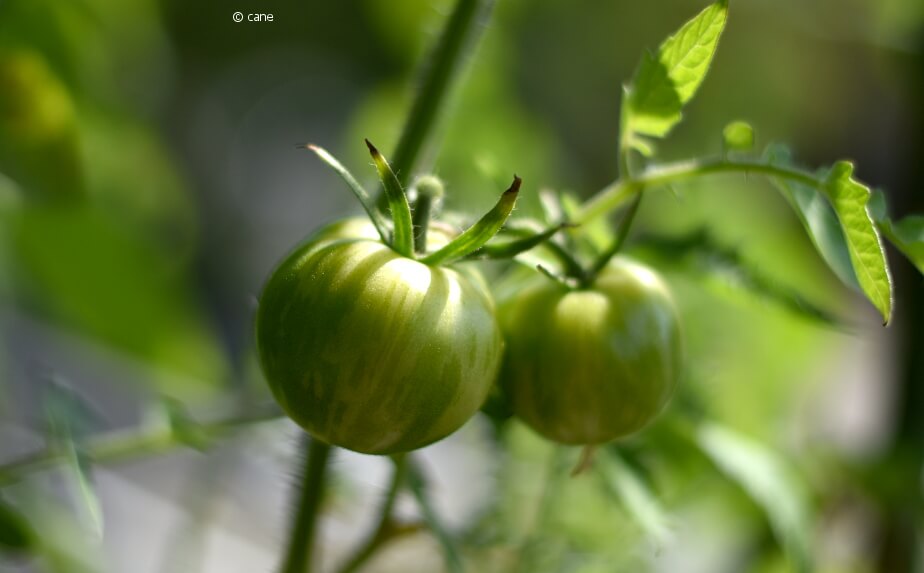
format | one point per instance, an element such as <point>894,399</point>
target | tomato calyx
<point>404,227</point>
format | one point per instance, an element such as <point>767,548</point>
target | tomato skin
<point>372,351</point>
<point>587,366</point>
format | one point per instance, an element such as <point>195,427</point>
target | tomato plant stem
<point>300,553</point>
<point>459,36</point>
<point>622,231</point>
<point>423,205</point>
<point>615,194</point>
<point>386,529</point>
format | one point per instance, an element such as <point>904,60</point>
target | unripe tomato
<point>372,351</point>
<point>586,366</point>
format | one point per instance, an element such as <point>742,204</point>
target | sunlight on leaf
<point>850,198</point>
<point>817,217</point>
<point>665,81</point>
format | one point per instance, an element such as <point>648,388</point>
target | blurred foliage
<point>118,126</point>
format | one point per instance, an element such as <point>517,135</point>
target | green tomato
<point>372,351</point>
<point>438,234</point>
<point>586,366</point>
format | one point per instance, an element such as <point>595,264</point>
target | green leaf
<point>817,217</point>
<point>769,482</point>
<point>850,199</point>
<point>665,81</point>
<point>15,533</point>
<point>907,235</point>
<point>639,501</point>
<point>361,194</point>
<point>403,239</point>
<point>481,232</point>
<point>417,483</point>
<point>738,136</point>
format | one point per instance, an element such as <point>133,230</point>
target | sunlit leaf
<point>850,198</point>
<point>773,486</point>
<point>817,217</point>
<point>665,81</point>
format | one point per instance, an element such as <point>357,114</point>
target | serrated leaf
<point>817,217</point>
<point>665,81</point>
<point>769,482</point>
<point>15,533</point>
<point>639,501</point>
<point>738,136</point>
<point>907,235</point>
<point>481,232</point>
<point>850,199</point>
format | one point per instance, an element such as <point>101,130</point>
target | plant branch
<point>300,552</point>
<point>135,443</point>
<point>459,36</point>
<point>387,529</point>
<point>620,190</point>
<point>622,231</point>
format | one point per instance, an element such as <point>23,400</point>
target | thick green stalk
<point>465,24</point>
<point>623,189</point>
<point>300,553</point>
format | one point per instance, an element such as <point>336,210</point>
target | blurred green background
<point>149,181</point>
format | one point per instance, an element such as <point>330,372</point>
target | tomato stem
<point>622,231</point>
<point>428,192</point>
<point>623,189</point>
<point>301,551</point>
<point>460,35</point>
<point>586,461</point>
